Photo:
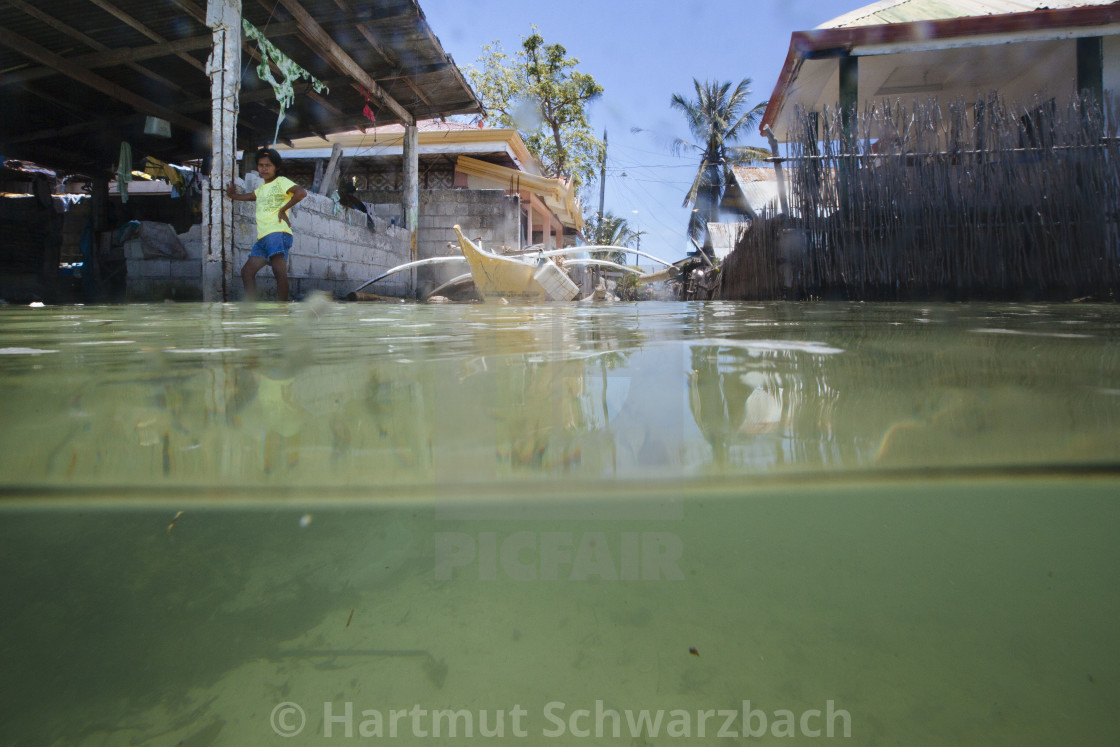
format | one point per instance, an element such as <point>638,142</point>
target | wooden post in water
<point>224,69</point>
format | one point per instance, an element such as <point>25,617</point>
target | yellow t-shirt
<point>272,196</point>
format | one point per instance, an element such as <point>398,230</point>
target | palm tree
<point>612,230</point>
<point>717,117</point>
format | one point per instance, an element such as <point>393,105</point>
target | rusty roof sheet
<point>725,236</point>
<point>908,11</point>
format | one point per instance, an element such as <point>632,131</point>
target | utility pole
<point>602,199</point>
<point>603,178</point>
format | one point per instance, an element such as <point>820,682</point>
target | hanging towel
<point>124,170</point>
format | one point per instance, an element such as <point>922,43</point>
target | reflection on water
<point>398,395</point>
<point>212,511</point>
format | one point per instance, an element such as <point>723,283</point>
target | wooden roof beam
<point>54,23</point>
<point>46,57</point>
<point>130,21</point>
<point>408,72</point>
<point>338,57</point>
<point>74,129</point>
<point>124,55</point>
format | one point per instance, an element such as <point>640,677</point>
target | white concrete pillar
<point>224,69</point>
<point>410,194</point>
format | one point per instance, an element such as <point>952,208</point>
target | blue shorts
<point>272,244</point>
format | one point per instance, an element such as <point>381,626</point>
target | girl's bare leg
<point>249,272</point>
<point>280,272</point>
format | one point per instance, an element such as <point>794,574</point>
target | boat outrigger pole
<point>593,248</point>
<point>668,273</point>
<point>409,266</point>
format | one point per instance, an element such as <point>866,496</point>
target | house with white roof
<point>948,50</point>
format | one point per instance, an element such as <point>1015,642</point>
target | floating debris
<point>172,524</point>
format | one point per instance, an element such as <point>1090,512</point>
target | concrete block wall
<point>333,250</point>
<point>486,214</point>
<point>151,278</point>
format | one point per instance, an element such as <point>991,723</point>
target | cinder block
<point>318,226</point>
<point>155,268</point>
<point>133,250</point>
<point>348,252</point>
<point>244,234</point>
<point>186,268</point>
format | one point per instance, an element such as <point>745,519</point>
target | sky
<point>642,52</point>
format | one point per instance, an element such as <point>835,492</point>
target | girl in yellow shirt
<point>274,229</point>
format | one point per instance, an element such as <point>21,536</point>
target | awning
<point>559,197</point>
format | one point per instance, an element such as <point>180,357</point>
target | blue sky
<point>642,52</point>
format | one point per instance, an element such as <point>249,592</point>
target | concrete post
<point>410,194</point>
<point>224,69</point>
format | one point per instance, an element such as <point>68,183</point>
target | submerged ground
<point>898,516</point>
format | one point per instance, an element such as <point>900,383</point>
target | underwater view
<point>639,524</point>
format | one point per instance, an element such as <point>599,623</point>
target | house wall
<point>1111,54</point>
<point>370,176</point>
<point>332,252</point>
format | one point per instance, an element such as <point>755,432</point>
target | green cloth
<point>124,170</point>
<point>284,90</point>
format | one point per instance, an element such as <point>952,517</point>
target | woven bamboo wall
<point>986,200</point>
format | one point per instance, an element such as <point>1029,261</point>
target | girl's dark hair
<point>271,155</point>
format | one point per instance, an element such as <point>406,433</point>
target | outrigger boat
<point>532,275</point>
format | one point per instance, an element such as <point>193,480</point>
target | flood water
<point>648,524</point>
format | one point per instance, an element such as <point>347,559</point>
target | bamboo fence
<point>984,200</point>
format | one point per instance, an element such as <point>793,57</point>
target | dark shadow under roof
<point>78,77</point>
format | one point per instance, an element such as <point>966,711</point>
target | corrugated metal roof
<point>78,77</point>
<point>758,185</point>
<point>725,236</point>
<point>753,173</point>
<point>909,11</point>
